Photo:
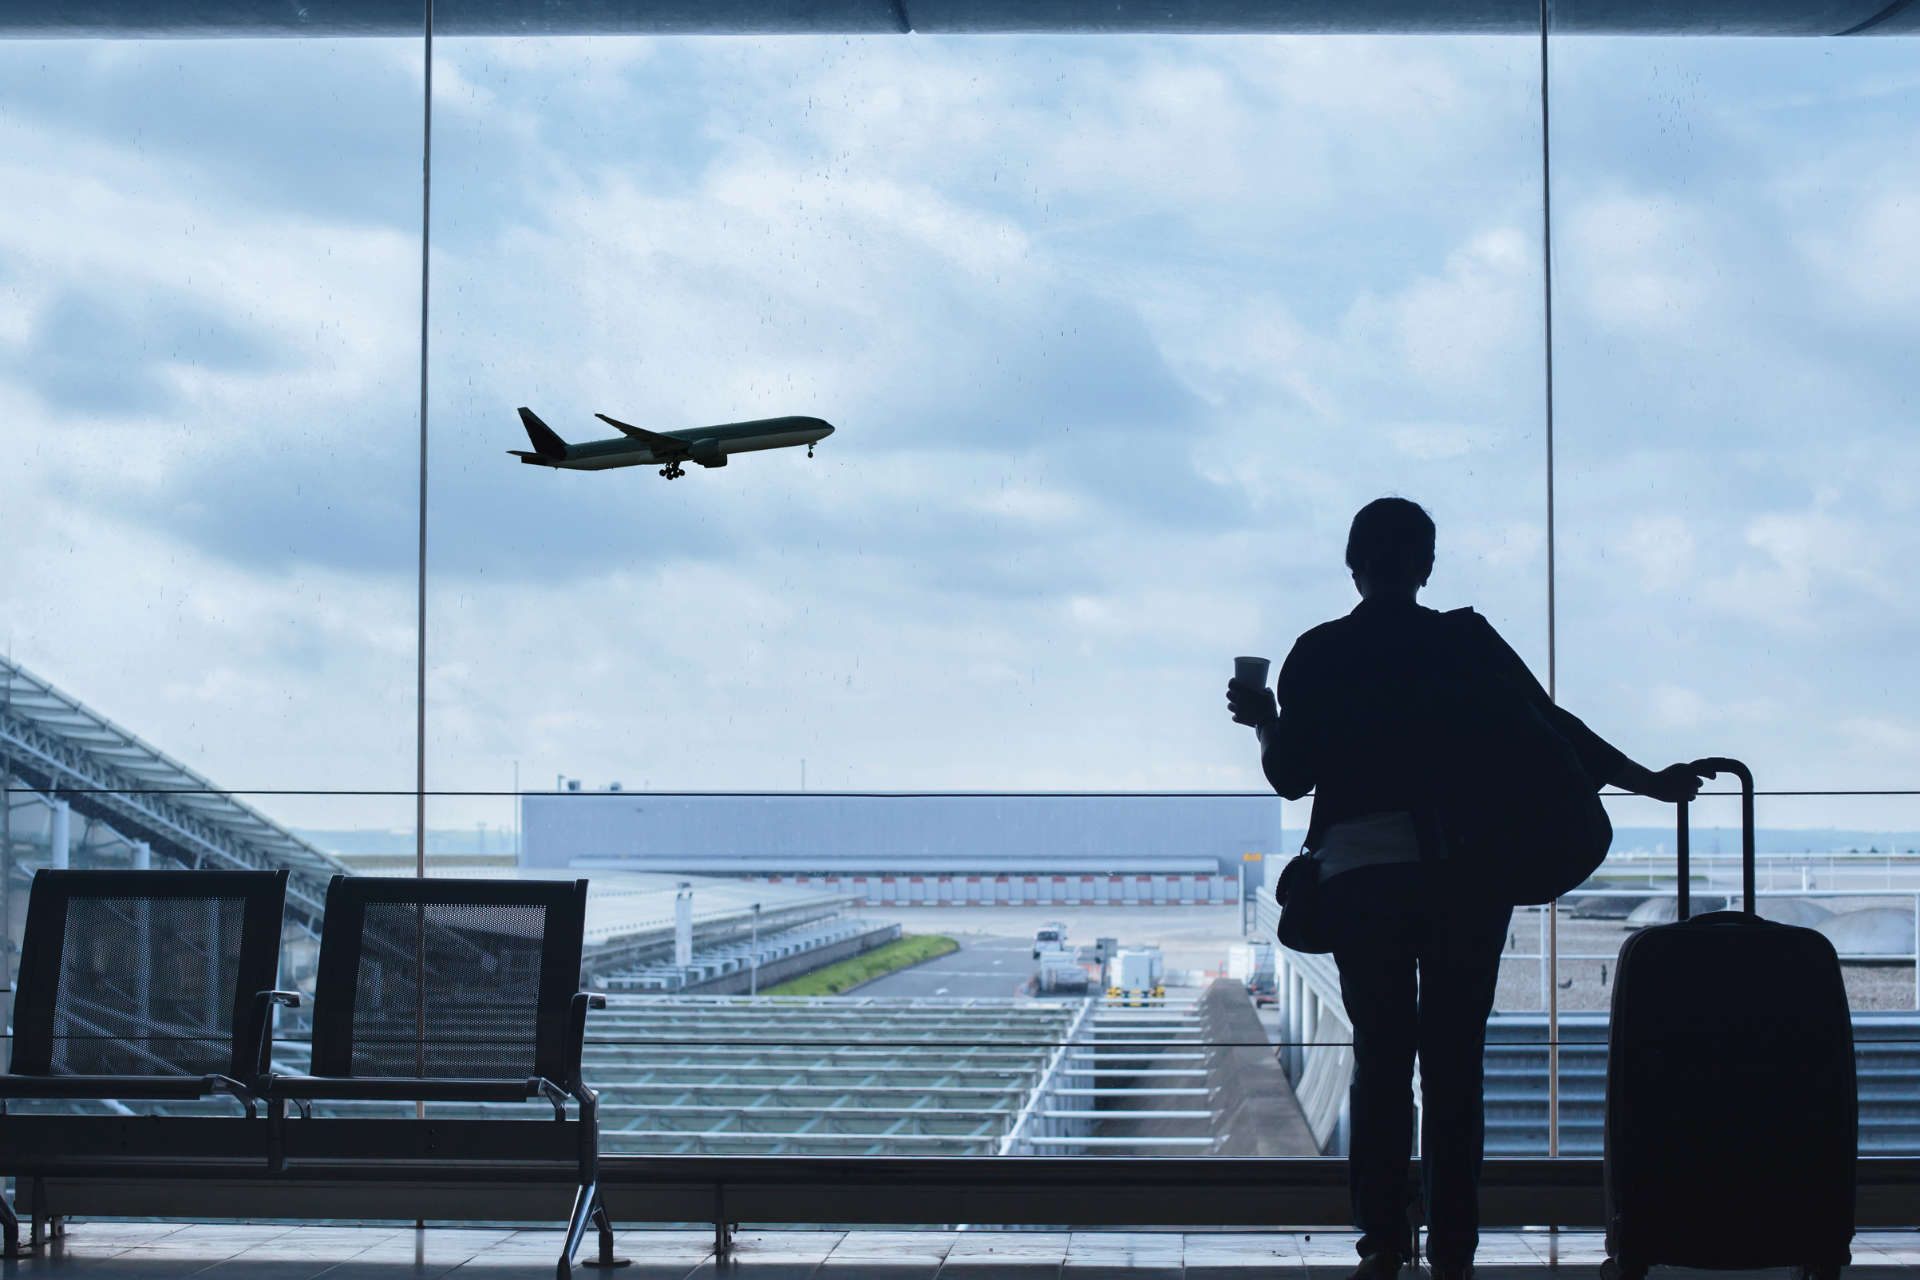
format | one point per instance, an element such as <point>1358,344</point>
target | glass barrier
<point>1002,1013</point>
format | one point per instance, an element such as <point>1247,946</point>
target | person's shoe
<point>1451,1273</point>
<point>1378,1266</point>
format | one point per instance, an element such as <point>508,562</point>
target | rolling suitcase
<point>1732,1118</point>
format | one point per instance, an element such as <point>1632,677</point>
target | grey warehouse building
<point>985,848</point>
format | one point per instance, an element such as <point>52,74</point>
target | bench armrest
<point>399,1089</point>
<point>260,1039</point>
<point>577,1034</point>
<point>140,1088</point>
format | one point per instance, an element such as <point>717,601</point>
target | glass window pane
<point>1115,335</point>
<point>210,254</point>
<point>1730,426</point>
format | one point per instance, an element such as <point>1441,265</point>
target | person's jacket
<point>1352,725</point>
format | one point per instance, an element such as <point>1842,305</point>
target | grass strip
<point>835,978</point>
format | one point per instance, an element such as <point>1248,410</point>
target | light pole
<point>753,978</point>
<point>1247,859</point>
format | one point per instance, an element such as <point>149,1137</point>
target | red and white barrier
<point>1028,891</point>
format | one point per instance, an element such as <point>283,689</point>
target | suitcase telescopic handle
<point>1711,767</point>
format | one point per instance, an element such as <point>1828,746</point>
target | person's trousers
<point>1419,961</point>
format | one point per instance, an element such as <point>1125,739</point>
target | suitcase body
<point>1732,1113</point>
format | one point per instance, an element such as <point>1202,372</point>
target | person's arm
<point>1603,761</point>
<point>1675,784</point>
<point>1284,725</point>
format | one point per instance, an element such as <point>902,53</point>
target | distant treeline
<point>468,841</point>
<point>1726,840</point>
<point>1706,840</point>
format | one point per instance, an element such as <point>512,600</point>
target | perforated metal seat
<point>149,985</point>
<point>449,991</point>
<point>143,986</point>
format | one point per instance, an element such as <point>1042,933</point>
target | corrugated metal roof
<point>62,747</point>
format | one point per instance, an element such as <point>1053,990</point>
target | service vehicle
<point>1137,977</point>
<point>1051,936</point>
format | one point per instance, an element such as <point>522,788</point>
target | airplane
<point>708,446</point>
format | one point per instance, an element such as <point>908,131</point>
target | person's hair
<point>1391,540</point>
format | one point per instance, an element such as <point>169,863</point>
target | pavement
<point>1191,938</point>
<point>982,967</point>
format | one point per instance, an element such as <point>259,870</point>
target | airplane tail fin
<point>547,444</point>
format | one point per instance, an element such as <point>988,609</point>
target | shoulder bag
<point>1521,816</point>
<point>1302,926</point>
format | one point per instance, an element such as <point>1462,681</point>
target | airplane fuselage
<point>707,445</point>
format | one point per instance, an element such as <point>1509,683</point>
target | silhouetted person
<point>1418,950</point>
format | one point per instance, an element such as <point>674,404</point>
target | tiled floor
<point>165,1251</point>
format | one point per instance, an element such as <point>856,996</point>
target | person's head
<point>1390,546</point>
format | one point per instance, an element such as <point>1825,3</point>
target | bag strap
<point>1447,657</point>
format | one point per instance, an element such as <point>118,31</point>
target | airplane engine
<point>707,453</point>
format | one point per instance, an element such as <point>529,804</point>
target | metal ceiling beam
<point>202,19</point>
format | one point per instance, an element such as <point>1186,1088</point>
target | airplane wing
<point>652,439</point>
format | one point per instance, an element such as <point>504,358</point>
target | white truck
<point>1051,936</point>
<point>1061,973</point>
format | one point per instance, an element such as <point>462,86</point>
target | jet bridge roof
<point>63,748</point>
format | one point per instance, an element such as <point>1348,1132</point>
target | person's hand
<point>1675,784</point>
<point>1252,704</point>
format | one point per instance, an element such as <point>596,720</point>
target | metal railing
<point>1910,956</point>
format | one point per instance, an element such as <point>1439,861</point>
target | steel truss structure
<point>853,1076</point>
<point>64,750</point>
<point>833,1075</point>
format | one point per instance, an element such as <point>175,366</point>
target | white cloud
<point>1677,708</point>
<point>1876,734</point>
<point>1430,442</point>
<point>1663,547</point>
<point>1649,263</point>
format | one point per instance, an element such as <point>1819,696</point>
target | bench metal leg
<point>10,1230</point>
<point>584,1201</point>
<point>604,1226</point>
<point>722,1229</point>
<point>39,1233</point>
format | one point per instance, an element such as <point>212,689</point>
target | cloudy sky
<point>1117,334</point>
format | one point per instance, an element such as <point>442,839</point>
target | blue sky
<point>1117,333</point>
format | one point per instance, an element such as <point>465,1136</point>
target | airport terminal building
<point>1010,849</point>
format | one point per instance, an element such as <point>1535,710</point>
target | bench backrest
<point>447,979</point>
<point>145,973</point>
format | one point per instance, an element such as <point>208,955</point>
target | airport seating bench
<point>462,991</point>
<point>153,986</point>
<point>427,991</point>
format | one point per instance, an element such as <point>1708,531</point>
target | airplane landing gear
<point>672,471</point>
<point>809,449</point>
